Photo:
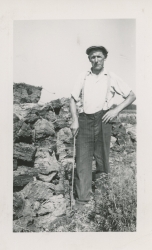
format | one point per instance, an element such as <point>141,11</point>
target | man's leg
<point>101,155</point>
<point>102,145</point>
<point>84,155</point>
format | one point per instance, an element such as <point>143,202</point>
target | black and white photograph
<point>74,126</point>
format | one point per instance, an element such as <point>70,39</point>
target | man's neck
<point>97,72</point>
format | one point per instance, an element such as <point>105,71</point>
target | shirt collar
<point>104,71</point>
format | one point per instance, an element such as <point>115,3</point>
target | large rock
<point>118,129</point>
<point>64,118</point>
<point>55,205</point>
<point>131,131</point>
<point>25,133</point>
<point>65,136</point>
<point>50,116</point>
<point>59,188</point>
<point>43,129</point>
<point>59,204</point>
<point>28,207</point>
<point>23,175</point>
<point>61,123</point>
<point>31,112</point>
<point>31,208</point>
<point>38,191</point>
<point>24,152</point>
<point>47,178</point>
<point>25,224</point>
<point>46,208</point>
<point>28,112</point>
<point>22,132</point>
<point>56,105</point>
<point>64,143</point>
<point>49,143</point>
<point>65,109</point>
<point>24,93</point>
<point>18,205</point>
<point>49,222</point>
<point>44,162</point>
<point>47,111</point>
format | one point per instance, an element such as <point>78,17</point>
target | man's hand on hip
<point>75,127</point>
<point>110,115</point>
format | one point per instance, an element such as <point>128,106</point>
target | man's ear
<point>89,58</point>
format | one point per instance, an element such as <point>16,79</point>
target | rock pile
<point>42,139</point>
<point>26,93</point>
<point>42,160</point>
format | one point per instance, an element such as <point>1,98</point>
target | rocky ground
<point>42,167</point>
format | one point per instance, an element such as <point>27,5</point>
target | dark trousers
<point>93,140</point>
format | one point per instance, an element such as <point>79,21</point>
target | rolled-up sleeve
<point>77,87</point>
<point>119,86</point>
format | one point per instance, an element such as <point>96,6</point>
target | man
<point>93,97</point>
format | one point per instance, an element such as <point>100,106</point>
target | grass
<point>115,209</point>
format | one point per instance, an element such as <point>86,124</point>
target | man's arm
<point>75,123</point>
<point>114,112</point>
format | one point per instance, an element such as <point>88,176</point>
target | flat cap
<point>103,49</point>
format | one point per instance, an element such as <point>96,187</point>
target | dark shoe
<point>79,205</point>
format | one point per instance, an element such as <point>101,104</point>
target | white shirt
<point>95,91</point>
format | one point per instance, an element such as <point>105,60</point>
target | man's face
<point>96,58</point>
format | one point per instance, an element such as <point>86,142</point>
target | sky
<point>51,53</point>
